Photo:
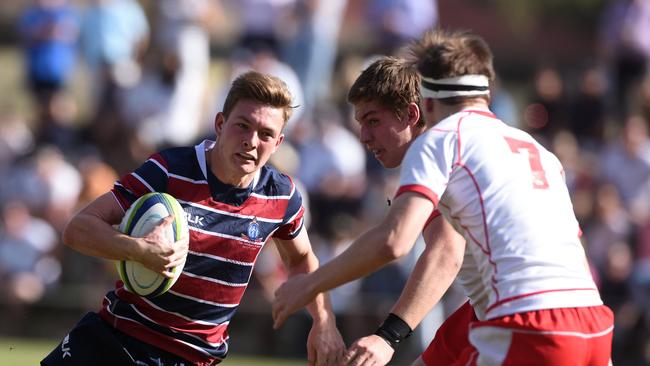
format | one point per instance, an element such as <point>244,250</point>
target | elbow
<point>68,234</point>
<point>456,253</point>
<point>394,250</point>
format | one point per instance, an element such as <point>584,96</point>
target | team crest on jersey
<point>253,232</point>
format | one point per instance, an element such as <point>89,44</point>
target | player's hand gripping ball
<point>143,215</point>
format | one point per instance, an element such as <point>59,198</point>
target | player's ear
<point>278,142</point>
<point>219,120</point>
<point>413,113</point>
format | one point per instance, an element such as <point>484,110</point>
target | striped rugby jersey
<point>228,227</point>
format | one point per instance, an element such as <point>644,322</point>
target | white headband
<point>460,86</point>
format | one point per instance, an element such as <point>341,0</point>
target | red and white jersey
<point>506,195</point>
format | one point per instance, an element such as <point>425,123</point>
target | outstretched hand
<point>371,350</point>
<point>325,345</point>
<point>290,297</point>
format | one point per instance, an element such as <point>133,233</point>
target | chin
<point>389,164</point>
<point>249,169</point>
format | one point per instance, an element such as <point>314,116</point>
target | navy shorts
<point>93,342</point>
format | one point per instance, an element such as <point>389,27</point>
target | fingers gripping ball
<point>143,215</point>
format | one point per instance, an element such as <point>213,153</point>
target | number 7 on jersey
<point>539,176</point>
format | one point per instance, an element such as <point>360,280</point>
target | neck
<point>418,131</point>
<point>442,111</point>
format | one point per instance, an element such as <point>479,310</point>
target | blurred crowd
<point>153,77</point>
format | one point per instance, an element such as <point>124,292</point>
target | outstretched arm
<point>432,275</point>
<point>391,239</point>
<point>324,345</point>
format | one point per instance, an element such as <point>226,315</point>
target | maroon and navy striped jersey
<point>228,227</point>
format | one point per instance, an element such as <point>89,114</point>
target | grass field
<point>26,352</point>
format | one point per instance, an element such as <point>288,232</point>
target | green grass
<point>25,352</point>
<point>18,352</point>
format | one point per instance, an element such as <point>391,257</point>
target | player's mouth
<point>378,153</point>
<point>246,158</point>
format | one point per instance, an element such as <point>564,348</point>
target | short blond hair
<point>262,88</point>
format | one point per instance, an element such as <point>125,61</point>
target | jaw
<point>389,158</point>
<point>389,163</point>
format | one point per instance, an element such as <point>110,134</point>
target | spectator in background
<point>617,293</point>
<point>587,110</point>
<point>312,45</point>
<point>395,23</point>
<point>46,182</point>
<point>546,112</point>
<point>16,140</point>
<point>503,104</point>
<point>625,48</point>
<point>262,22</point>
<point>28,266</point>
<point>630,153</point>
<point>332,168</point>
<point>97,177</point>
<point>610,224</point>
<point>62,183</point>
<point>114,37</point>
<point>166,107</point>
<point>49,31</point>
<point>183,40</point>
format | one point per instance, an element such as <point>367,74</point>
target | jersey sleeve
<point>294,217</point>
<point>428,164</point>
<point>151,176</point>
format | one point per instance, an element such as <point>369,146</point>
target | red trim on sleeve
<point>416,188</point>
<point>432,217</point>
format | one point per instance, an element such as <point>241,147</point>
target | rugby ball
<point>143,215</point>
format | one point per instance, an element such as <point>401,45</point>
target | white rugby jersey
<point>506,195</point>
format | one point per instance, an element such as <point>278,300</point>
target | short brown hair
<point>441,54</point>
<point>390,81</point>
<point>262,88</point>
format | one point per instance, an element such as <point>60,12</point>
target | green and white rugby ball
<point>143,215</point>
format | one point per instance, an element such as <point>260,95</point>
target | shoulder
<point>179,160</point>
<point>183,152</point>
<point>275,183</point>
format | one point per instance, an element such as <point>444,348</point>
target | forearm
<point>92,234</point>
<point>433,273</point>
<point>425,287</point>
<point>320,309</point>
